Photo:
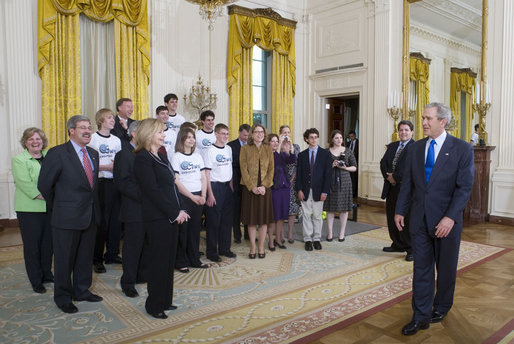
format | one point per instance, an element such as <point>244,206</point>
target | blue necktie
<point>429,164</point>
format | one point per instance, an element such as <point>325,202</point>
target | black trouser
<point>36,233</point>
<point>73,253</point>
<point>161,250</point>
<point>109,230</point>
<point>133,263</point>
<point>401,240</point>
<point>219,220</point>
<point>189,234</point>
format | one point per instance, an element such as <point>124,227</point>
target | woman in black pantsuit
<point>161,213</point>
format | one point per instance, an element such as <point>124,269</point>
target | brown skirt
<point>256,209</point>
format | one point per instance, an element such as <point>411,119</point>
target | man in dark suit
<point>69,183</point>
<point>436,185</point>
<point>130,215</point>
<point>236,145</point>
<point>353,145</point>
<point>313,178</point>
<point>122,121</point>
<point>391,166</point>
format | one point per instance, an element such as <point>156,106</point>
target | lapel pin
<point>447,154</point>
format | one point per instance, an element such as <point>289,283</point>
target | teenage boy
<point>205,137</point>
<point>313,177</point>
<point>109,231</point>
<point>218,163</point>
<point>174,120</point>
<point>171,135</point>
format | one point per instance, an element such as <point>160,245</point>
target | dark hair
<point>188,125</point>
<point>218,127</point>
<point>332,135</point>
<point>206,114</point>
<point>476,126</point>
<point>73,120</point>
<point>406,122</point>
<point>121,101</point>
<point>244,127</point>
<point>352,132</point>
<point>181,138</point>
<point>308,132</point>
<point>170,96</point>
<point>272,135</point>
<point>160,108</point>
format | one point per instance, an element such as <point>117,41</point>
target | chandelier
<point>211,9</point>
<point>200,97</point>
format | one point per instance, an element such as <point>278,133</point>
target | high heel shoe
<point>262,255</point>
<point>252,255</point>
<point>272,248</point>
<point>330,239</point>
<point>281,246</point>
<point>340,240</point>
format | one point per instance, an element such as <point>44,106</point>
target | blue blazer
<point>448,189</point>
<point>322,173</point>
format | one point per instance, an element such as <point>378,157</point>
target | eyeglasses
<point>84,128</point>
<point>258,131</point>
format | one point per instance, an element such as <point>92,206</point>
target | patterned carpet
<point>285,297</point>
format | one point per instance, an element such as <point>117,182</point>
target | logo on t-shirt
<point>104,149</point>
<point>220,158</point>
<point>188,166</point>
<point>206,142</point>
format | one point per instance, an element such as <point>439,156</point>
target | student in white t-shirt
<point>171,136</point>
<point>205,137</point>
<point>109,231</point>
<point>192,184</point>
<point>174,120</point>
<point>219,212</point>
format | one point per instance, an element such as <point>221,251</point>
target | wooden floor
<point>484,296</point>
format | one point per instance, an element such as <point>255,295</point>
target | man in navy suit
<point>236,145</point>
<point>437,183</point>
<point>391,166</point>
<point>69,183</point>
<point>313,177</point>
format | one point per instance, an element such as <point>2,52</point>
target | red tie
<point>87,167</point>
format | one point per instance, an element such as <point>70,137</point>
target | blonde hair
<point>27,134</point>
<point>101,115</point>
<point>146,131</point>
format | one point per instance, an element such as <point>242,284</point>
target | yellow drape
<point>419,72</point>
<point>461,82</point>
<point>269,35</point>
<point>59,57</point>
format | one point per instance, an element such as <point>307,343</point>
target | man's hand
<point>123,123</point>
<point>390,178</point>
<point>399,221</point>
<point>301,196</point>
<point>444,227</point>
<point>211,201</point>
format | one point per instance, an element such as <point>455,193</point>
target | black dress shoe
<point>437,317</point>
<point>228,254</point>
<point>48,279</point>
<point>90,298</point>
<point>308,246</point>
<point>130,292</point>
<point>171,308</point>
<point>317,245</point>
<point>216,259</point>
<point>68,308</point>
<point>99,268</point>
<point>40,289</point>
<point>392,249</point>
<point>237,241</point>
<point>414,326</point>
<point>159,315</point>
<point>409,257</point>
<point>115,260</point>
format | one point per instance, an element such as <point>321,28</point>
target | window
<point>261,91</point>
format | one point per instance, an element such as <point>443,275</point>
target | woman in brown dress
<point>257,168</point>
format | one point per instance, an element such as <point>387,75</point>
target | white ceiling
<point>461,19</point>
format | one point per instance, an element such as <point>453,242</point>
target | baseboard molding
<point>8,223</point>
<point>373,203</point>
<point>501,220</point>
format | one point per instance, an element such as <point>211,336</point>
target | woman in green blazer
<point>30,208</point>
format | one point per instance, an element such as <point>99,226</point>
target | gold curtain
<point>419,72</point>
<point>59,57</point>
<point>462,80</point>
<point>271,33</point>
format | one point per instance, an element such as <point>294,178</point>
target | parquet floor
<point>484,296</point>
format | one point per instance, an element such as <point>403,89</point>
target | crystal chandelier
<point>211,9</point>
<point>200,97</point>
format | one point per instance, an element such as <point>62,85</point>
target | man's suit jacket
<point>355,148</point>
<point>65,187</point>
<point>448,188</point>
<point>120,132</point>
<point>322,173</point>
<point>125,182</point>
<point>236,169</point>
<point>386,165</point>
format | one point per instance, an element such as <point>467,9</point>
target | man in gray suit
<point>69,183</point>
<point>437,183</point>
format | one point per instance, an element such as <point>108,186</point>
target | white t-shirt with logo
<point>107,147</point>
<point>174,122</point>
<point>189,169</point>
<point>169,142</point>
<point>203,141</point>
<point>219,161</point>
